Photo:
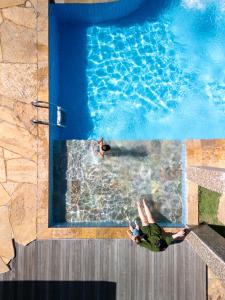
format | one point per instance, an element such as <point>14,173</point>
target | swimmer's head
<point>106,147</point>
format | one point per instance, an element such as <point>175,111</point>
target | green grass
<point>208,202</point>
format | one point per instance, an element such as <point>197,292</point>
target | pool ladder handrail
<point>41,104</point>
<point>44,104</point>
<point>36,121</point>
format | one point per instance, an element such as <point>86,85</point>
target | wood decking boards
<point>104,269</point>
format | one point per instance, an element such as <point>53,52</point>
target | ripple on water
<point>158,63</point>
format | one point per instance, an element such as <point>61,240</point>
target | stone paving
<point>216,291</point>
<point>18,137</point>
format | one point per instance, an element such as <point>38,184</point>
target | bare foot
<point>139,203</point>
<point>179,235</point>
<point>145,201</point>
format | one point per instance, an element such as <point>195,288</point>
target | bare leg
<point>143,218</point>
<point>136,225</point>
<point>148,213</point>
<point>130,226</point>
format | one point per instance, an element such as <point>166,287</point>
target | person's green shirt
<point>153,234</point>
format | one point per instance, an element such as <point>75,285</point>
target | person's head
<point>162,244</point>
<point>137,239</point>
<point>106,147</point>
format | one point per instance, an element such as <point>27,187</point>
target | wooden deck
<point>103,269</point>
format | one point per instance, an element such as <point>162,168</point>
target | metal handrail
<point>35,121</point>
<point>42,104</point>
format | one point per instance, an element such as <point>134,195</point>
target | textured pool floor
<point>104,192</point>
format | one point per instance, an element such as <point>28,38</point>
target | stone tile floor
<point>24,147</point>
<point>216,291</point>
<point>18,138</point>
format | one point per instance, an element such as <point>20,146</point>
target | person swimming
<point>102,148</point>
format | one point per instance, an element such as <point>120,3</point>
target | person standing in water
<point>151,235</point>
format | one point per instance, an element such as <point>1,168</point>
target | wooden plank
<point>165,274</point>
<point>112,267</point>
<point>171,270</point>
<point>180,276</point>
<point>45,261</point>
<point>76,267</point>
<point>89,263</point>
<point>31,256</point>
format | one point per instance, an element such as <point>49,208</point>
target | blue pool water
<point>131,71</point>
<point>157,73</point>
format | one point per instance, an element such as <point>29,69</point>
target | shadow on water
<point>68,55</point>
<point>73,82</point>
<point>160,218</point>
<point>58,205</point>
<point>148,11</point>
<point>54,290</point>
<point>139,151</point>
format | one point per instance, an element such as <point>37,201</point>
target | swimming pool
<point>133,71</point>
<point>161,66</point>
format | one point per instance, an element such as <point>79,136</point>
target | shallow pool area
<point>91,191</point>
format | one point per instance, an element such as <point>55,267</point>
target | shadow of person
<point>139,151</point>
<point>155,209</point>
